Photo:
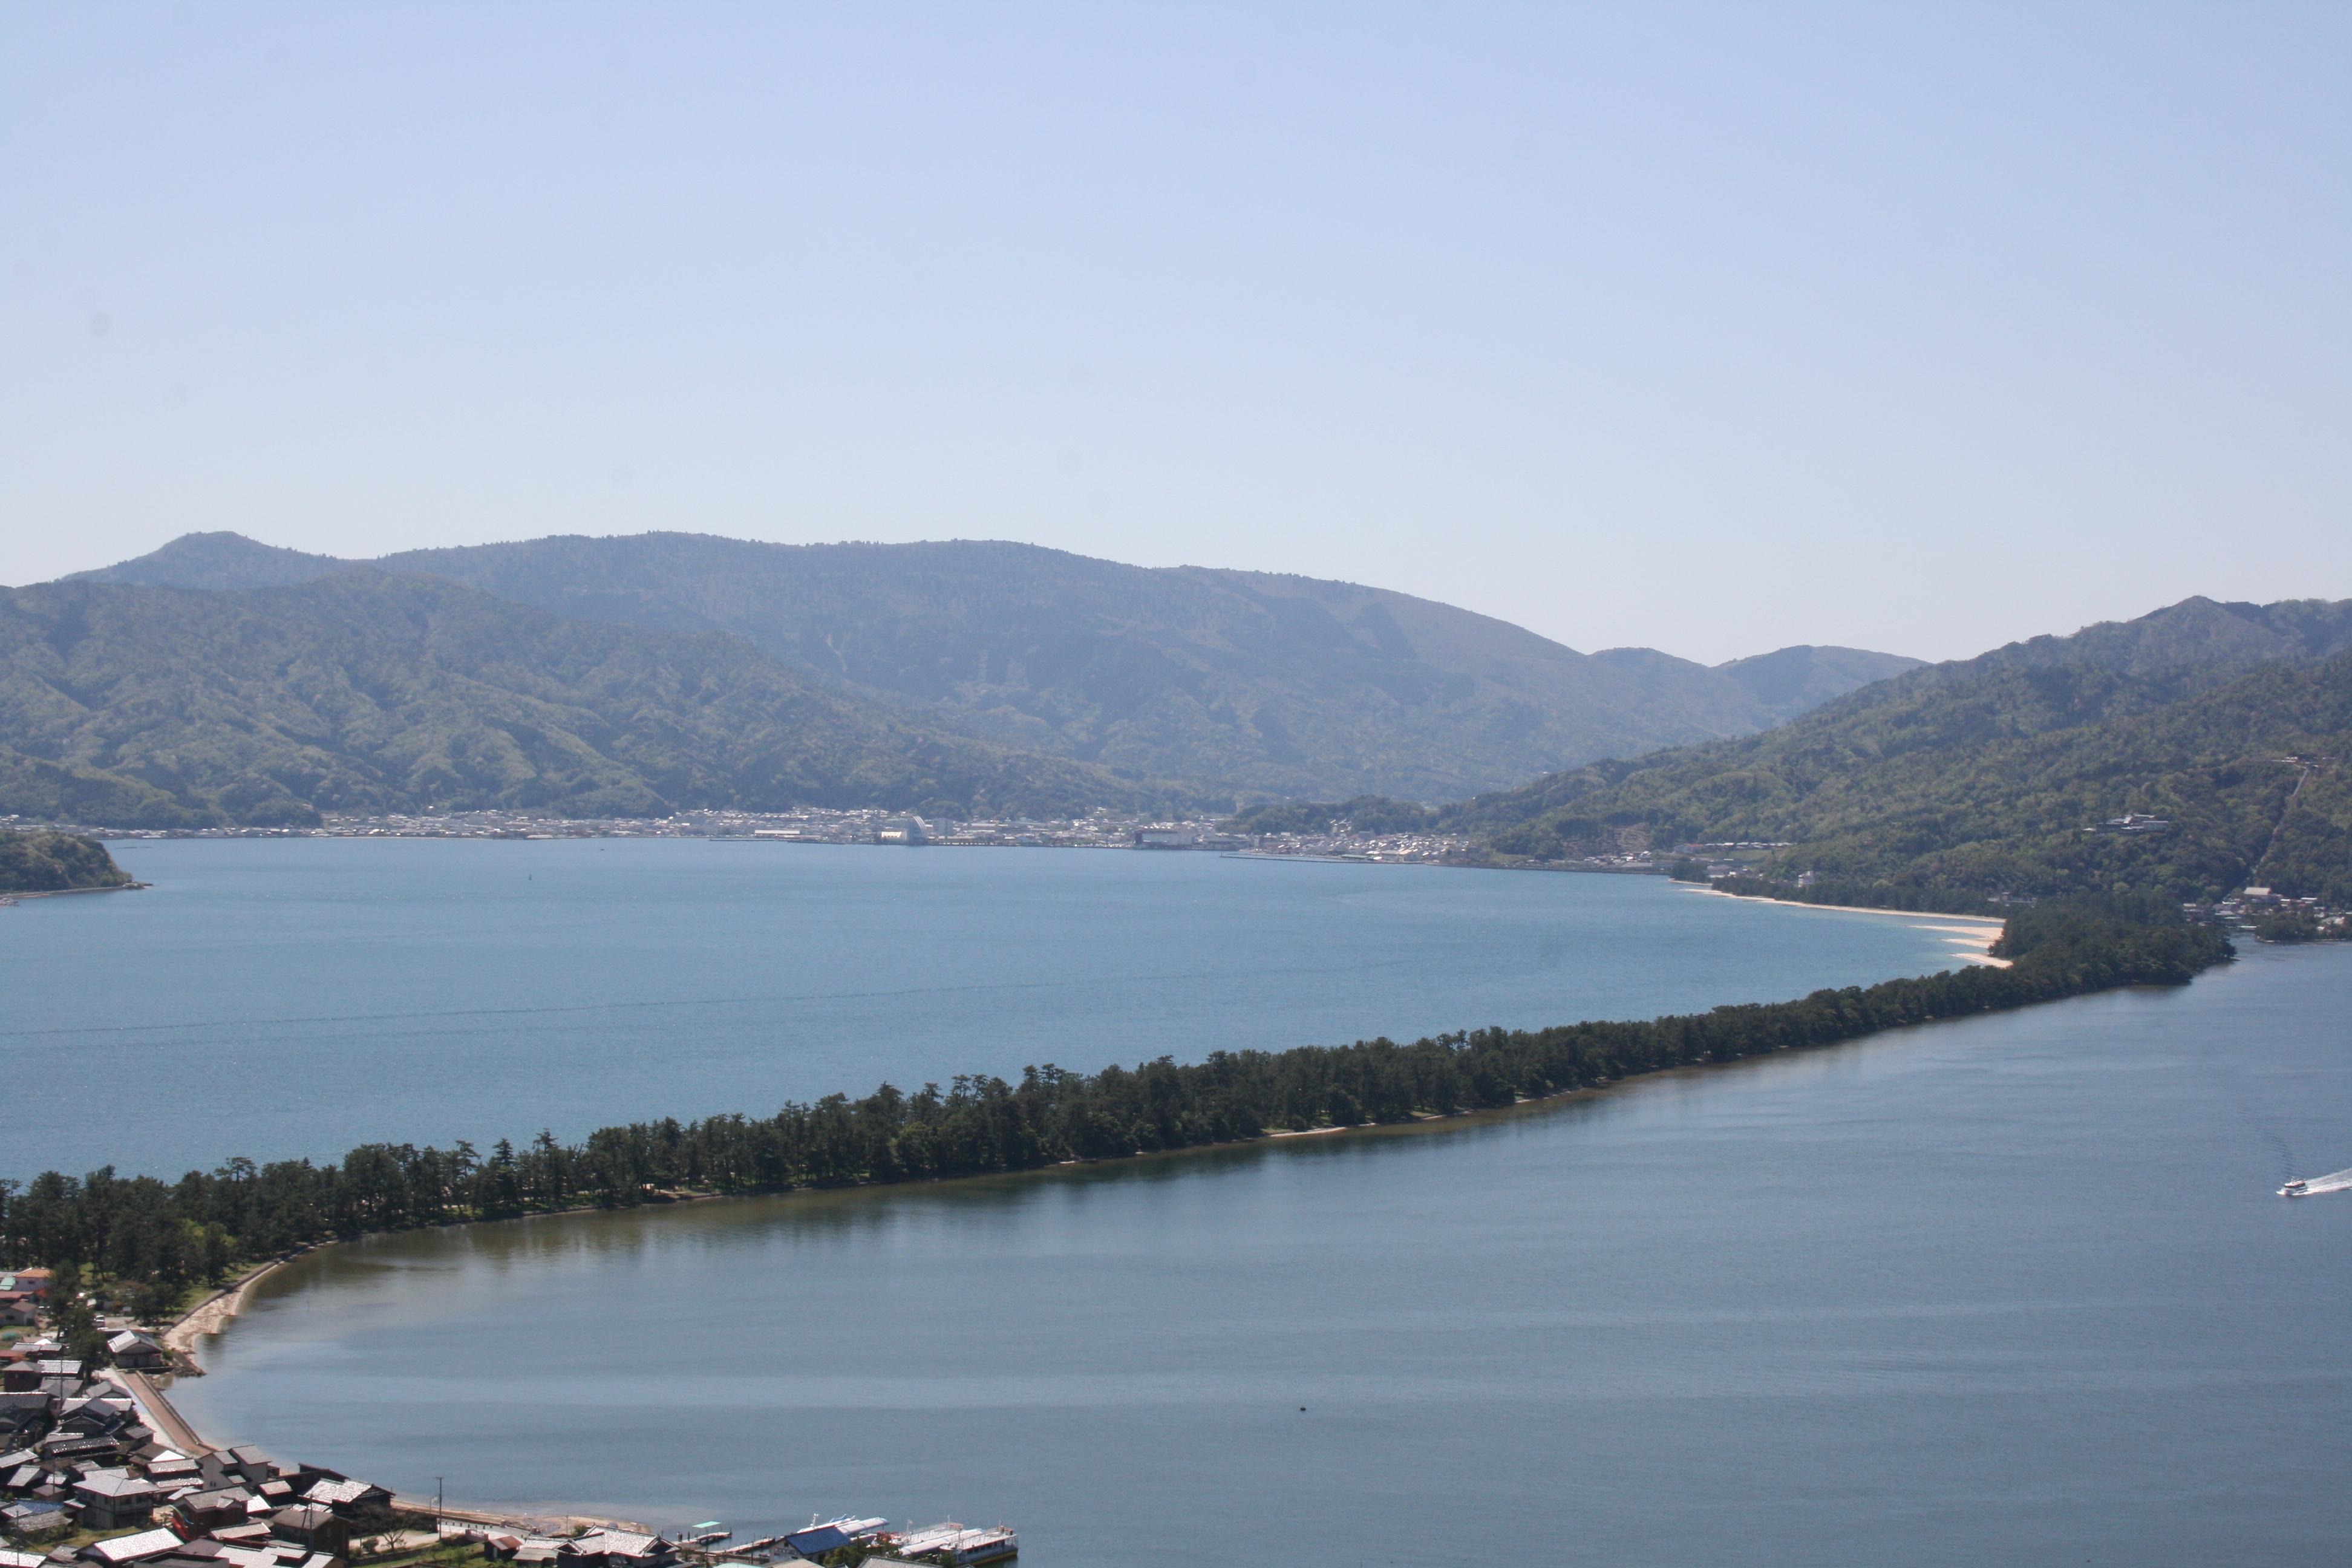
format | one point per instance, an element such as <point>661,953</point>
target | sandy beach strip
<point>1972,934</point>
<point>211,1315</point>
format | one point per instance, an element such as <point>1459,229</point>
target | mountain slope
<point>1986,778</point>
<point>1244,681</point>
<point>1249,682</point>
<point>368,690</point>
<point>2170,655</point>
<point>1791,681</point>
<point>225,560</point>
<point>2197,633</point>
<point>46,790</point>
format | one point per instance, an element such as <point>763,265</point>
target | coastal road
<point>169,1423</point>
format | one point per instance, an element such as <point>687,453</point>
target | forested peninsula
<point>56,863</point>
<point>144,1243</point>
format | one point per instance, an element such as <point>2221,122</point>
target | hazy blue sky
<point>1714,328</point>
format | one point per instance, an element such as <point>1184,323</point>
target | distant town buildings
<point>815,825</point>
<point>2252,908</point>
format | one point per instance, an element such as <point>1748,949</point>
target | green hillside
<point>62,791</point>
<point>1982,780</point>
<point>1245,683</point>
<point>2196,635</point>
<point>139,706</point>
<point>56,863</point>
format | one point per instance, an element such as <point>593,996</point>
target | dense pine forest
<point>145,1242</point>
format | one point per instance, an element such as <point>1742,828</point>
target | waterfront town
<point>96,1468</point>
<point>816,825</point>
<point>2258,912</point>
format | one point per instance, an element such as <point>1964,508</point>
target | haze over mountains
<point>133,706</point>
<point>1234,683</point>
<point>221,680</point>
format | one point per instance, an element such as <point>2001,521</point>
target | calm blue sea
<point>2010,1290</point>
<point>286,998</point>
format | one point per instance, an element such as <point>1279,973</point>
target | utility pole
<point>437,1511</point>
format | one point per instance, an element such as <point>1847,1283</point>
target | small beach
<point>1973,934</point>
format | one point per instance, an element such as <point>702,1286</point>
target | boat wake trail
<point>2340,1180</point>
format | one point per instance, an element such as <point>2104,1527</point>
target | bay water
<point>2013,1289</point>
<point>290,998</point>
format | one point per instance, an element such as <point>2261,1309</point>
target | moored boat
<point>961,1545</point>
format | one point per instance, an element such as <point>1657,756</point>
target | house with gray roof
<point>33,1518</point>
<point>311,1527</point>
<point>138,1352</point>
<point>209,1510</point>
<point>347,1496</point>
<point>94,1414</point>
<point>36,1372</point>
<point>123,1548</point>
<point>615,1549</point>
<point>111,1500</point>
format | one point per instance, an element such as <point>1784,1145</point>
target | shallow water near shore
<point>294,998</point>
<point>2013,1289</point>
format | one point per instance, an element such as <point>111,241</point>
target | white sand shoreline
<point>211,1315</point>
<point>1975,935</point>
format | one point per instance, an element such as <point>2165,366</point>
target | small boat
<point>2295,1189</point>
<point>958,1544</point>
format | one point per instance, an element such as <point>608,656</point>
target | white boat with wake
<point>2312,1186</point>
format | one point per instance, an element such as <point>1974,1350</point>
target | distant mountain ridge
<point>125,705</point>
<point>1244,683</point>
<point>222,561</point>
<point>2195,633</point>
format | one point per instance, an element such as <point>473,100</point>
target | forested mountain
<point>1242,682</point>
<point>56,863</point>
<point>44,791</point>
<point>1796,680</point>
<point>143,706</point>
<point>1984,776</point>
<point>2198,635</point>
<point>218,561</point>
